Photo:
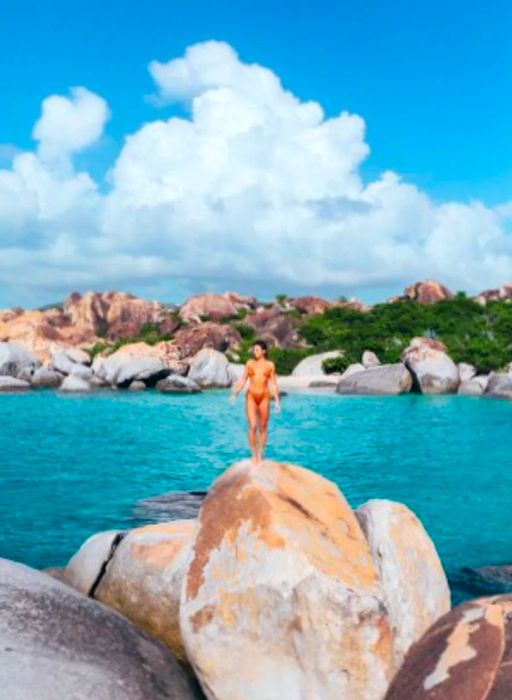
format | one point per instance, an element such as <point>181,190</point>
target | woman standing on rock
<point>261,373</point>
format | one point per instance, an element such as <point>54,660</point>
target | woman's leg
<point>263,413</point>
<point>251,409</point>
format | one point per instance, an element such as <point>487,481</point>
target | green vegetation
<point>472,333</point>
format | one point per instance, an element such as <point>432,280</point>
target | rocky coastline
<point>270,586</point>
<point>118,341</point>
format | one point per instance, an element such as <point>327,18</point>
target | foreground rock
<point>499,386</point>
<point>414,583</point>
<point>465,655</point>
<point>85,568</point>
<point>312,366</point>
<point>143,579</point>
<point>384,380</point>
<point>56,644</point>
<point>210,369</point>
<point>8,383</point>
<point>282,598</point>
<point>433,371</point>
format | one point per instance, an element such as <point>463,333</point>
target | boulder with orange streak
<point>282,600</point>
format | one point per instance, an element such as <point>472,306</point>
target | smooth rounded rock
<point>56,644</point>
<point>465,655</point>
<point>8,383</point>
<point>312,366</point>
<point>176,384</point>
<point>16,360</point>
<point>85,567</point>
<point>412,577</point>
<point>282,598</point>
<point>209,368</point>
<point>433,371</point>
<point>499,385</point>
<point>384,380</point>
<point>74,384</point>
<point>143,580</point>
<point>369,359</point>
<point>46,377</point>
<point>475,386</point>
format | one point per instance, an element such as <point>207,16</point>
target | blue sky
<point>431,81</point>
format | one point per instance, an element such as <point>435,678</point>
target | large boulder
<point>144,578</point>
<point>433,371</point>
<point>427,292</point>
<point>412,577</point>
<point>56,644</point>
<point>310,305</point>
<point>8,383</point>
<point>17,361</point>
<point>499,385</point>
<point>137,362</point>
<point>65,360</point>
<point>145,369</point>
<point>209,369</point>
<point>212,307</point>
<point>282,598</point>
<point>188,341</point>
<point>312,366</point>
<point>466,371</point>
<point>86,567</point>
<point>276,327</point>
<point>465,655</point>
<point>383,380</point>
<point>116,314</point>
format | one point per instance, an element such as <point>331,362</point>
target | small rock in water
<point>176,505</point>
<point>485,580</point>
<point>8,383</point>
<point>72,383</point>
<point>176,384</point>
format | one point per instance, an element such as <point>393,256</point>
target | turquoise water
<point>72,465</point>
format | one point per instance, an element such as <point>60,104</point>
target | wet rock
<point>174,505</point>
<point>312,366</point>
<point>499,386</point>
<point>46,377</point>
<point>485,580</point>
<point>74,384</point>
<point>137,386</point>
<point>143,580</point>
<point>144,369</point>
<point>465,655</point>
<point>175,384</point>
<point>282,588</point>
<point>383,380</point>
<point>433,371</point>
<point>415,586</point>
<point>210,369</point>
<point>56,644</point>
<point>8,383</point>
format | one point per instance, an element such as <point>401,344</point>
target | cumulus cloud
<point>254,186</point>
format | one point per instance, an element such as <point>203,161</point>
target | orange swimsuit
<point>260,391</point>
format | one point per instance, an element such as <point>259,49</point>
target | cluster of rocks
<point>277,589</point>
<point>426,368</point>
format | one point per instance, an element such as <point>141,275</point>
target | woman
<point>261,373</point>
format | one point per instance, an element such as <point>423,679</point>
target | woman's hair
<point>262,345</point>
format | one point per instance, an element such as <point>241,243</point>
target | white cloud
<point>254,185</point>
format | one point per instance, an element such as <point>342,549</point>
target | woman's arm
<point>273,386</point>
<point>239,385</point>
